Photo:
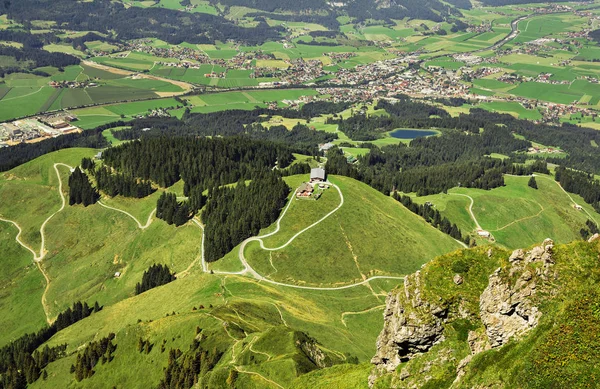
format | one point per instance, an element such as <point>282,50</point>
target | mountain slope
<point>487,318</point>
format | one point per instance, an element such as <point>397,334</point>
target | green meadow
<point>337,251</point>
<point>517,215</point>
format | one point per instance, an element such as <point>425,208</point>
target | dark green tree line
<point>81,190</point>
<point>156,275</point>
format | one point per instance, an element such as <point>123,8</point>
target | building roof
<point>305,187</point>
<point>317,172</point>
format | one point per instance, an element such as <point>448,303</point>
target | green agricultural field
<point>445,63</point>
<point>517,215</point>
<point>494,85</point>
<point>387,231</point>
<point>244,100</point>
<point>127,63</point>
<point>513,108</point>
<point>147,84</point>
<point>109,94</point>
<point>24,101</point>
<point>67,49</point>
<point>557,93</point>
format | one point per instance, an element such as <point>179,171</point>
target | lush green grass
<point>32,188</point>
<point>23,284</point>
<point>517,215</point>
<point>337,377</point>
<point>364,238</point>
<point>261,310</point>
<point>513,108</point>
<point>24,101</point>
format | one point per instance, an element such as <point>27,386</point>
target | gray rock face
<point>507,309</point>
<point>411,326</point>
<point>506,306</point>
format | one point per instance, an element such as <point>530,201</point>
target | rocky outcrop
<point>507,308</point>
<point>411,326</point>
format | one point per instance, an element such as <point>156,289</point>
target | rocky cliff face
<point>411,327</point>
<point>508,308</point>
<point>507,305</point>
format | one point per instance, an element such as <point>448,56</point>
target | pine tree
<point>532,183</point>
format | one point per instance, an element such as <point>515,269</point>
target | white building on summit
<point>317,174</point>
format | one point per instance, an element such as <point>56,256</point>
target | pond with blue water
<point>404,133</point>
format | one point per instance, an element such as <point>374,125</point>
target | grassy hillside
<point>85,247</point>
<point>32,189</point>
<point>371,234</point>
<point>517,215</point>
<point>22,287</point>
<point>252,322</point>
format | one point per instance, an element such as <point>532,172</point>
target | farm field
<point>27,94</point>
<point>96,116</point>
<point>244,100</point>
<point>512,108</point>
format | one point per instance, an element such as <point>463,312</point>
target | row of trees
<point>156,275</point>
<point>13,156</point>
<point>433,217</point>
<point>184,370</point>
<point>20,361</point>
<point>592,228</point>
<point>580,183</point>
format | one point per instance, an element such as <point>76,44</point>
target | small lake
<point>411,134</point>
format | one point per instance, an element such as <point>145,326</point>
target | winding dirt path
<point>38,257</point>
<point>143,227</point>
<point>238,368</point>
<point>522,219</point>
<point>569,196</point>
<point>470,208</point>
<point>344,314</point>
<point>249,270</point>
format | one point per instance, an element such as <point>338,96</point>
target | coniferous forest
<point>94,353</point>
<point>81,190</point>
<point>114,184</point>
<point>171,210</point>
<point>433,217</point>
<point>234,214</point>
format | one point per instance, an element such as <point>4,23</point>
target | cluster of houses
<point>318,180</point>
<point>72,84</point>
